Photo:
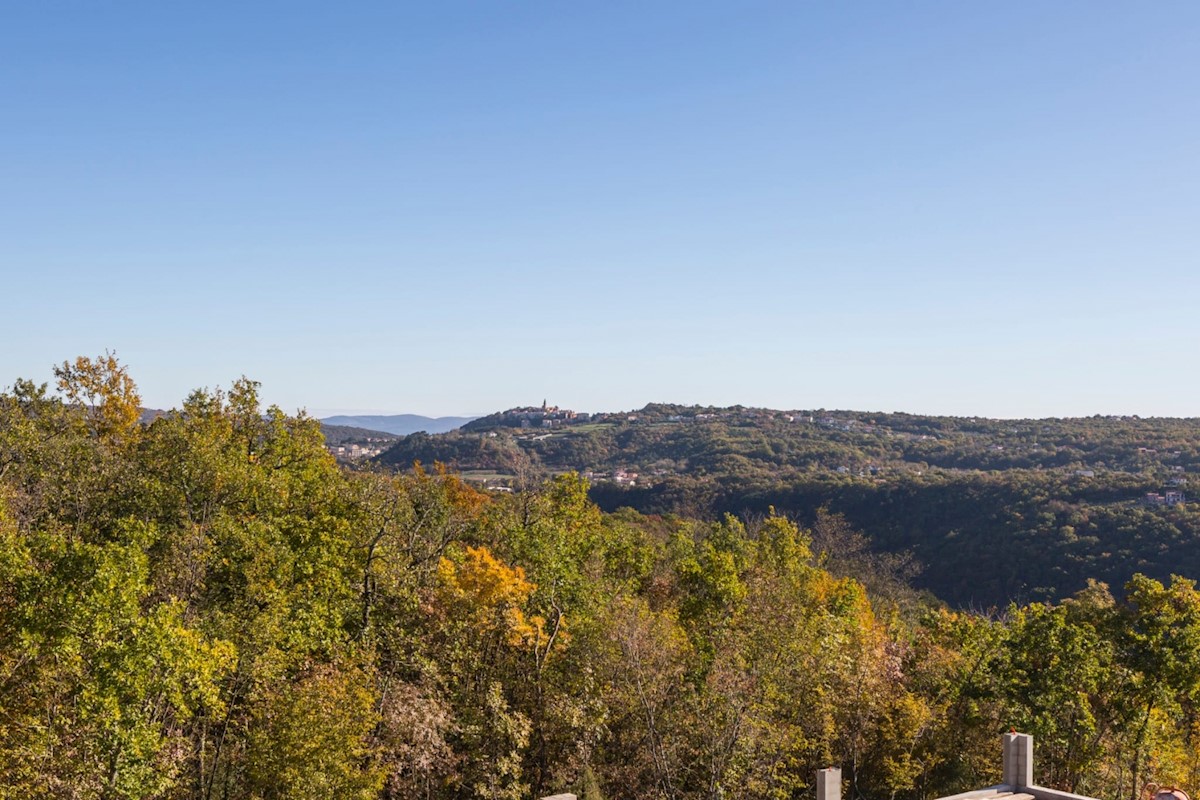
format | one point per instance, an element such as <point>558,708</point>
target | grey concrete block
<point>1018,760</point>
<point>829,784</point>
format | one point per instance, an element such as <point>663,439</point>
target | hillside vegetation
<point>209,606</point>
<point>398,424</point>
<point>346,434</point>
<point>996,510</point>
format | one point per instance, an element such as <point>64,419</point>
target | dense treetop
<point>208,606</point>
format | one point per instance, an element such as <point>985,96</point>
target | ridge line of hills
<point>397,424</point>
<point>995,510</point>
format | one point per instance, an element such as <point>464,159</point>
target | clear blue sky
<point>454,207</point>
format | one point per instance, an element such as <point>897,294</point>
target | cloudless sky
<point>986,208</point>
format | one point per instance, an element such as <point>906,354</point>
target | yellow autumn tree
<point>102,388</point>
<point>485,640</point>
<point>489,595</point>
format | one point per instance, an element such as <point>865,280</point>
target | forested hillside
<point>398,424</point>
<point>996,510</point>
<point>344,434</point>
<point>208,606</point>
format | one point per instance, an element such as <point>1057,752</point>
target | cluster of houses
<point>547,416</point>
<point>354,452</point>
<point>1171,497</point>
<point>847,425</point>
<point>617,476</point>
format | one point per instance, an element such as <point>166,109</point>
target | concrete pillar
<point>829,784</point>
<point>1018,760</point>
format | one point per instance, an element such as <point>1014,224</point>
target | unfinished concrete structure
<point>1017,776</point>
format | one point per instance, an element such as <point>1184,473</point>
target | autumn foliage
<point>207,606</point>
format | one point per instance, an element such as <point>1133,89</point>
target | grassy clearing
<point>589,427</point>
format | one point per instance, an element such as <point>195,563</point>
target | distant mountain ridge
<point>399,424</point>
<point>997,510</point>
<point>341,434</point>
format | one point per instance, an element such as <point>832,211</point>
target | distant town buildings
<point>354,452</point>
<point>627,478</point>
<point>547,416</point>
<point>1172,497</point>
